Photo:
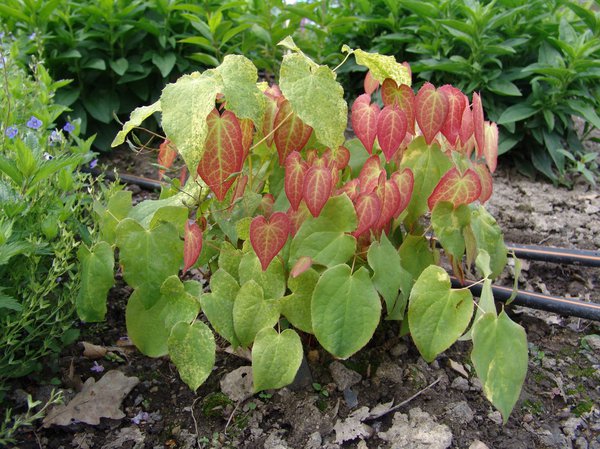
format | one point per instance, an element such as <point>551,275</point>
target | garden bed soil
<point>559,406</point>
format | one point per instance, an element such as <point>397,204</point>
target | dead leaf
<point>238,384</point>
<point>96,400</point>
<point>92,351</point>
<point>353,427</point>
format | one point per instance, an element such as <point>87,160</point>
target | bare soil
<point>559,406</point>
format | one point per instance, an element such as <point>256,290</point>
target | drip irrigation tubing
<point>144,183</point>
<point>556,255</point>
<point>555,304</point>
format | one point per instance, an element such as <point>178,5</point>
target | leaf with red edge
<point>268,123</point>
<point>478,126</point>
<point>240,187</point>
<point>295,172</point>
<point>317,188</point>
<point>183,175</point>
<point>405,182</point>
<point>456,188</point>
<point>351,188</point>
<point>192,244</point>
<point>368,209</point>
<point>223,154</point>
<point>311,156</point>
<point>401,96</point>
<point>297,217</point>
<point>391,129</point>
<point>247,127</point>
<point>487,185</point>
<point>166,156</point>
<point>364,121</point>
<point>291,133</point>
<point>389,194</point>
<point>369,174</point>
<point>490,148</point>
<point>302,265</point>
<point>457,101</point>
<point>370,83</point>
<point>267,237</point>
<point>431,109</point>
<point>342,158</point>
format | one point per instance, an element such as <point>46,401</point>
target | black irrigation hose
<point>555,304</point>
<point>144,183</point>
<point>556,255</point>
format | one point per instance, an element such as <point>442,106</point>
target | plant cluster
<point>45,209</point>
<point>305,233</point>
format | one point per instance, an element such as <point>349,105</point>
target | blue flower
<point>94,163</point>
<point>141,416</point>
<point>34,122</point>
<point>32,36</point>
<point>97,368</point>
<point>11,132</point>
<point>69,127</point>
<point>55,137</point>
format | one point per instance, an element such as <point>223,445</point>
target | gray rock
<point>570,425</point>
<point>391,372</point>
<point>314,441</point>
<point>274,441</point>
<point>581,443</point>
<point>237,384</point>
<point>495,417</point>
<point>478,445</point>
<point>460,412</point>
<point>460,384</point>
<point>342,376</point>
<point>417,430</point>
<point>399,350</point>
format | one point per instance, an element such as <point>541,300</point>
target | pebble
<point>527,418</point>
<point>398,350</point>
<point>390,371</point>
<point>477,444</point>
<point>581,443</point>
<point>495,417</point>
<point>460,412</point>
<point>476,384</point>
<point>570,425</point>
<point>342,376</point>
<point>460,384</point>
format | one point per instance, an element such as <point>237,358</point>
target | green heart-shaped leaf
<point>437,315</point>
<point>275,358</point>
<point>252,313</point>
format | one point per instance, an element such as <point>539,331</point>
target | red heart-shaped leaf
<point>223,152</point>
<point>295,172</point>
<point>370,83</point>
<point>368,209</point>
<point>351,188</point>
<point>240,187</point>
<point>456,188</point>
<point>478,126</point>
<point>405,182</point>
<point>490,149</point>
<point>431,108</point>
<point>302,264</point>
<point>297,217</point>
<point>364,121</point>
<point>457,101</point>
<point>389,194</point>
<point>247,127</point>
<point>369,174</point>
<point>267,237</point>
<point>317,188</point>
<point>166,156</point>
<point>192,244</point>
<point>487,185</point>
<point>401,96</point>
<point>391,129</point>
<point>291,133</point>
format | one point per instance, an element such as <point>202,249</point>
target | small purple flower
<point>141,416</point>
<point>11,132</point>
<point>32,36</point>
<point>55,137</point>
<point>97,368</point>
<point>69,127</point>
<point>34,122</point>
<point>94,163</point>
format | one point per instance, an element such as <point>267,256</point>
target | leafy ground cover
<point>559,406</point>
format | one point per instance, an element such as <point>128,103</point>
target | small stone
<point>417,430</point>
<point>313,356</point>
<point>343,377</point>
<point>390,371</point>
<point>570,426</point>
<point>495,417</point>
<point>398,350</point>
<point>478,445</point>
<point>175,431</point>
<point>154,389</point>
<point>460,412</point>
<point>362,445</point>
<point>581,443</point>
<point>593,341</point>
<point>527,418</point>
<point>315,441</point>
<point>476,384</point>
<point>460,384</point>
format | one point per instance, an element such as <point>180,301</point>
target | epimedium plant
<point>307,233</point>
